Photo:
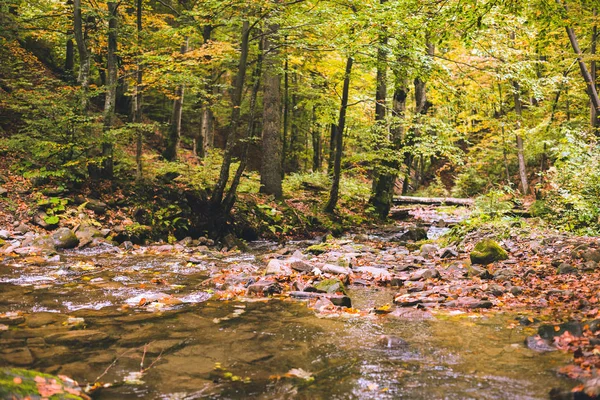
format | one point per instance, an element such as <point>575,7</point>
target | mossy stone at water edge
<point>18,383</point>
<point>331,286</point>
<point>488,251</point>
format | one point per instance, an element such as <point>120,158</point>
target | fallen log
<point>451,201</point>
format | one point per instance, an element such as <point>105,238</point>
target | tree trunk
<point>174,135</point>
<point>136,104</point>
<point>587,77</point>
<point>84,56</point>
<point>229,200</point>
<point>332,135</point>
<point>383,183</point>
<point>520,154</point>
<point>294,149</point>
<point>316,142</point>
<point>236,101</point>
<point>337,165</point>
<point>286,114</point>
<point>594,113</point>
<point>205,137</point>
<point>270,169</point>
<point>111,92</point>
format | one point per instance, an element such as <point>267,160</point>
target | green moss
<point>488,251</point>
<point>331,286</point>
<point>318,248</point>
<point>28,387</point>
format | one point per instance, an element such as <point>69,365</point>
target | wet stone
<point>17,356</point>
<point>478,271</point>
<point>392,342</point>
<point>538,344</point>
<point>335,269</point>
<point>83,337</point>
<point>424,273</point>
<point>264,288</point>
<point>40,319</point>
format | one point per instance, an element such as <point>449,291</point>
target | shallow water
<point>156,311</point>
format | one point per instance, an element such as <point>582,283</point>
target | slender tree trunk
<point>111,92</point>
<point>594,112</point>
<point>204,140</point>
<point>332,139</point>
<point>337,165</point>
<point>229,200</point>
<point>174,135</point>
<point>84,56</point>
<point>136,105</point>
<point>270,169</point>
<point>519,138</point>
<point>286,114</point>
<point>236,101</point>
<point>587,77</point>
<point>294,148</point>
<point>316,142</point>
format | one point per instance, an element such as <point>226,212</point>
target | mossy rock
<point>488,251</point>
<point>18,383</point>
<point>317,249</point>
<point>331,286</point>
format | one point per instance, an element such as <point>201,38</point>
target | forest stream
<point>150,326</point>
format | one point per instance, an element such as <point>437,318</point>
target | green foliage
<point>494,203</point>
<point>573,191</point>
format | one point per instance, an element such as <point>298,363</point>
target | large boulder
<point>64,238</point>
<point>488,251</point>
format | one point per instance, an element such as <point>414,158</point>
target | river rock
<point>496,290</point>
<point>300,266</point>
<point>3,192</point>
<point>11,318</point>
<point>549,332</point>
<point>475,270</point>
<point>448,252</point>
<point>17,356</point>
<point>538,344</point>
<point>392,342</point>
<point>22,229</point>
<point>429,250</point>
<point>335,269</point>
<point>331,286</point>
<point>277,267</point>
<point>78,338</point>
<point>424,273</point>
<point>4,234</point>
<point>97,206</point>
<point>413,234</point>
<point>264,288</point>
<point>64,238</point>
<point>340,300</point>
<point>86,235</point>
<point>377,273</point>
<point>486,252</point>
